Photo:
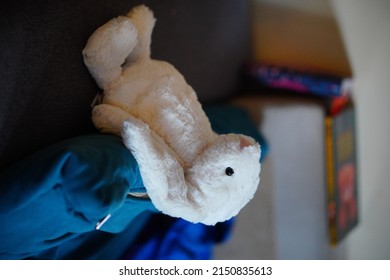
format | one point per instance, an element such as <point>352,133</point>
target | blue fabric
<point>97,245</point>
<point>63,191</point>
<point>167,238</point>
<point>51,202</point>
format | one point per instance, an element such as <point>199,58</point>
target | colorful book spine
<point>341,170</point>
<point>276,77</point>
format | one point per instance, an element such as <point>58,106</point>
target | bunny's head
<point>226,176</point>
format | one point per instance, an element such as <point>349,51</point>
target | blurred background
<point>284,219</point>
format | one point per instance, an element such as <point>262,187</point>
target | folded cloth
<point>66,190</point>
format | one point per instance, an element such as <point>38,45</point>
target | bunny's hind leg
<point>107,49</point>
<point>143,19</point>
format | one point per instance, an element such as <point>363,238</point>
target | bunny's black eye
<point>229,171</point>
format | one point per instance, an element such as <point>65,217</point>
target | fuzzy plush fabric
<point>188,170</point>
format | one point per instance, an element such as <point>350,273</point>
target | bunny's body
<point>156,88</point>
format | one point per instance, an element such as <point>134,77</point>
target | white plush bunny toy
<point>187,169</point>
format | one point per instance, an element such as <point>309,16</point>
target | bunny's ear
<point>246,142</point>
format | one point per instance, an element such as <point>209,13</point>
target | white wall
<point>366,30</point>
